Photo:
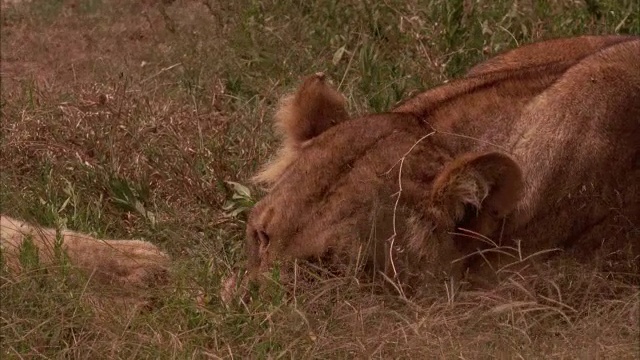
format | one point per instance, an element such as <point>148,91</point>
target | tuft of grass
<point>147,119</point>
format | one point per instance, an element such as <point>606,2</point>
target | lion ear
<point>303,115</point>
<point>477,191</point>
<point>311,110</point>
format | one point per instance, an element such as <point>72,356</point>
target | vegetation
<point>144,119</point>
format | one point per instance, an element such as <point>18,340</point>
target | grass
<point>146,120</point>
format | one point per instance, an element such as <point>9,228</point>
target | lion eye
<point>263,240</point>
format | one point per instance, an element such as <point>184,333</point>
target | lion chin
<point>532,152</point>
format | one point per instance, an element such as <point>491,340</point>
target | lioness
<point>527,153</point>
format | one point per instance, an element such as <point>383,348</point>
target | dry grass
<point>127,119</point>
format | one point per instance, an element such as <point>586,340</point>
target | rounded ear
<point>311,110</point>
<point>303,115</point>
<point>477,191</point>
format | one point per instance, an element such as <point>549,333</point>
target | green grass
<point>129,120</point>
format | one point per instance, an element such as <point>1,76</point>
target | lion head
<point>377,186</point>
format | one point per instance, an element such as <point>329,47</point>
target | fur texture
<point>547,53</point>
<point>539,145</point>
<point>127,263</point>
<point>311,110</point>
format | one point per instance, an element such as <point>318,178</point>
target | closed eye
<point>263,239</point>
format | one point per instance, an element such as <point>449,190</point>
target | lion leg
<point>121,262</point>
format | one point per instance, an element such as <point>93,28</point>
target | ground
<point>146,119</point>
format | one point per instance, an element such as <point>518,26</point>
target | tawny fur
<point>547,53</point>
<point>536,149</point>
<point>133,263</point>
<point>303,115</point>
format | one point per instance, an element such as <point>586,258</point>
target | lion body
<point>543,155</point>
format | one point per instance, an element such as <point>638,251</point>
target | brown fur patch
<point>301,116</point>
<point>128,263</point>
<point>556,122</point>
<point>547,53</point>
